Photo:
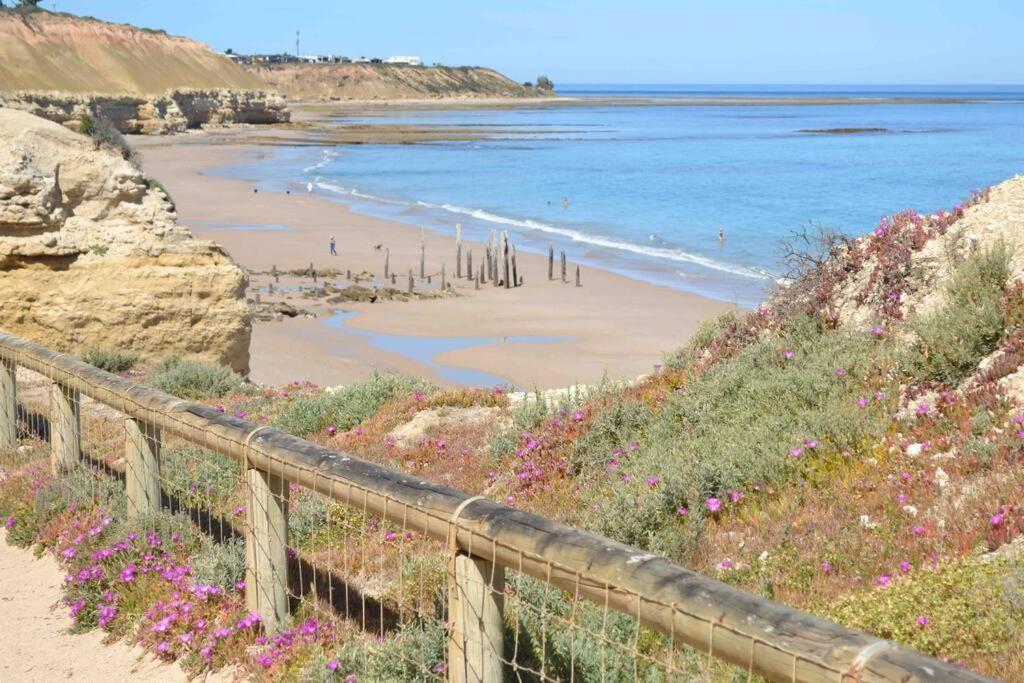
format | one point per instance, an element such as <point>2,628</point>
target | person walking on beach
<point>333,246</point>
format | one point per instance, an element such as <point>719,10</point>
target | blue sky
<point>625,41</point>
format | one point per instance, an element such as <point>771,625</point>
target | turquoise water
<point>649,187</point>
<point>425,349</point>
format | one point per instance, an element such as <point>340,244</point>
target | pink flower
<point>996,519</point>
<point>652,481</point>
<point>904,566</point>
<point>862,402</point>
<point>578,416</point>
<point>681,511</point>
<point>878,331</point>
<point>788,355</point>
<point>332,430</point>
<point>735,496</point>
<point>333,664</point>
<point>919,531</point>
<point>9,523</point>
<point>826,567</point>
<point>725,564</point>
<point>922,621</point>
<point>879,395</point>
<point>266,661</point>
<point>796,452</point>
<point>840,372</point>
<point>714,505</point>
<point>922,409</point>
<point>884,580</point>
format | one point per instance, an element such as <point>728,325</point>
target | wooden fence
<point>484,540</point>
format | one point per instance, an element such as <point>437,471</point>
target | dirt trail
<point>34,641</point>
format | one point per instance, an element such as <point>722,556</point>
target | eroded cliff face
<point>91,256</point>
<point>172,112</point>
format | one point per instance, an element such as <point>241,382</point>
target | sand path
<point>34,641</point>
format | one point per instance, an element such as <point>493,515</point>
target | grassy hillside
<point>325,82</point>
<point>46,51</point>
<point>854,448</point>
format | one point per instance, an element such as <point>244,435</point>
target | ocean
<point>644,190</point>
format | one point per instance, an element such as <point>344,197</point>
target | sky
<point>624,41</point>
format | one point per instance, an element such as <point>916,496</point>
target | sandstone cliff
<point>172,112</point>
<point>90,255</point>
<point>324,82</point>
<point>47,51</point>
<point>60,67</point>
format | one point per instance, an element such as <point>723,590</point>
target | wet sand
<point>615,326</point>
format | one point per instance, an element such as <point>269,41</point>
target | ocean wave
<point>329,155</point>
<point>670,253</point>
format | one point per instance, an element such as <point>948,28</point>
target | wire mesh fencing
<point>232,539</point>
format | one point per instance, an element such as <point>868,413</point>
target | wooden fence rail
<point>485,538</point>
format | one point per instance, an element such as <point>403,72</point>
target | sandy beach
<point>612,326</point>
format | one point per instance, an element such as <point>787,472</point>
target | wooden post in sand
<point>578,277</point>
<point>266,548</point>
<point>458,250</point>
<point>515,270</point>
<point>563,267</point>
<point>551,262</point>
<point>348,274</point>
<point>387,262</point>
<point>394,278</point>
<point>504,254</point>
<point>273,271</point>
<point>480,270</point>
<point>423,255</point>
<point>469,264</point>
<point>65,428</point>
<point>486,267</point>
<point>410,281</point>
<point>444,281</point>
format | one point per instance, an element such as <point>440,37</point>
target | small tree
<point>544,83</point>
<point>527,84</point>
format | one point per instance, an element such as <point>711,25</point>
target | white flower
<point>914,450</point>
<point>865,521</point>
<point>910,510</point>
<point>941,478</point>
<point>763,557</point>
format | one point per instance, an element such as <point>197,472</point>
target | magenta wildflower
<point>884,580</point>
<point>796,452</point>
<point>714,505</point>
<point>862,402</point>
<point>788,355</point>
<point>904,566</point>
<point>840,372</point>
<point>681,511</point>
<point>725,564</point>
<point>919,531</point>
<point>996,519</point>
<point>578,416</point>
<point>922,621</point>
<point>240,414</point>
<point>652,481</point>
<point>333,664</point>
<point>878,331</point>
<point>332,430</point>
<point>735,496</point>
<point>826,567</point>
<point>922,409</point>
<point>9,523</point>
<point>266,661</point>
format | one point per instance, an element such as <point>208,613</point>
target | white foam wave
<point>329,155</point>
<point>671,254</point>
<point>667,253</point>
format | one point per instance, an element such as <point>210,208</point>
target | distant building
<point>412,61</point>
<point>360,60</point>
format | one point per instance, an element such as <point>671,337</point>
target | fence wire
<point>378,593</point>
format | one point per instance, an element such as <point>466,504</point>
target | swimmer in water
<point>721,235</point>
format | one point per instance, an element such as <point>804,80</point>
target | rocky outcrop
<point>172,112</point>
<point>91,255</point>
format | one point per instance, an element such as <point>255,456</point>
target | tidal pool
<point>425,349</point>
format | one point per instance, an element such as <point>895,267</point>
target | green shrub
<point>198,478</point>
<point>703,336</point>
<point>971,607</point>
<point>111,360</point>
<point>735,425</point>
<point>219,564</point>
<point>195,379</point>
<point>415,653</point>
<point>346,407</point>
<point>968,327</point>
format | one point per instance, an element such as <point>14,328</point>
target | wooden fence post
<point>387,259</point>
<point>469,264</point>
<point>65,428</point>
<point>142,477</point>
<point>551,262</point>
<point>266,549</point>
<point>563,267</point>
<point>444,279</point>
<point>8,404</point>
<point>578,277</point>
<point>475,603</point>
<point>506,272</point>
<point>410,281</point>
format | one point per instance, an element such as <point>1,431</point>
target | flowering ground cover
<point>869,472</point>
